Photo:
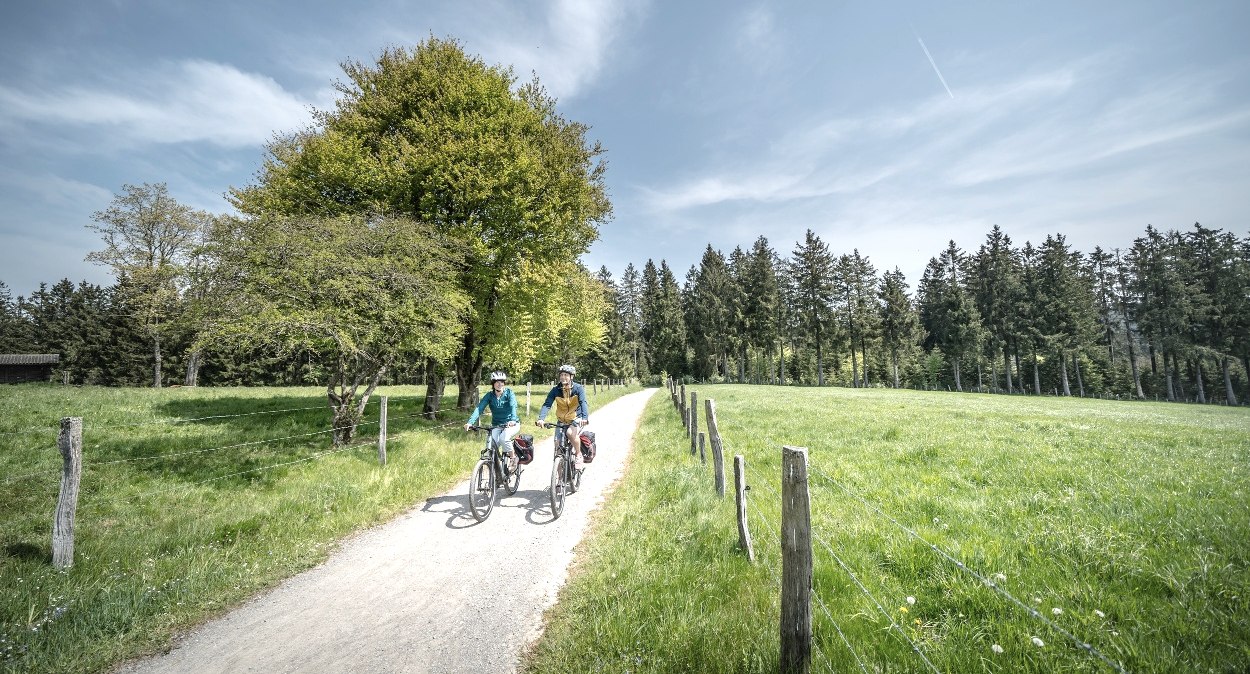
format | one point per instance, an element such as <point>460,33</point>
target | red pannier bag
<point>589,447</point>
<point>524,446</point>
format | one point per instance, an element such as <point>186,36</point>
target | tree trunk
<point>894,365</point>
<point>1063,368</point>
<point>820,359</point>
<point>434,383</point>
<point>156,355</point>
<point>854,366</point>
<point>1132,359</point>
<point>781,371</point>
<point>1167,371</point>
<point>1154,367</point>
<point>955,367</point>
<point>1080,382</point>
<point>863,351</point>
<point>1007,368</point>
<point>980,381</point>
<point>1180,381</point>
<point>468,366</point>
<point>742,367</point>
<point>1229,394</point>
<point>994,375</point>
<point>1037,379</point>
<point>348,409</point>
<point>1202,391</point>
<point>193,368</point>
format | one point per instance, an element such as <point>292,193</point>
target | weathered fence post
<point>596,387</point>
<point>685,415</point>
<point>718,450</point>
<point>70,444</point>
<point>796,562</point>
<point>382,432</point>
<point>702,451</point>
<point>740,488</point>
<point>694,420</point>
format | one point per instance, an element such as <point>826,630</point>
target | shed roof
<point>29,358</point>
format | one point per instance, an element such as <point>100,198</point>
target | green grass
<point>164,544</point>
<point>1129,518</point>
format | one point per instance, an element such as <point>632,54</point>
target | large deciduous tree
<point>359,295</point>
<point>438,135</point>
<point>148,240</point>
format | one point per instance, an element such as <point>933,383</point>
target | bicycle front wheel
<point>559,488</point>
<point>482,490</point>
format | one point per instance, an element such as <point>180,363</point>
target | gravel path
<point>421,593</point>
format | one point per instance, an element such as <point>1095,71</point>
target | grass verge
<point>192,501</point>
<point>1122,524</point>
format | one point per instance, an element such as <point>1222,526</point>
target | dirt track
<point>423,593</point>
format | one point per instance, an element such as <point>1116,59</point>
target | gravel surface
<point>422,593</point>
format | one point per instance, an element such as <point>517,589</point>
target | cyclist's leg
<point>506,436</point>
<point>575,440</point>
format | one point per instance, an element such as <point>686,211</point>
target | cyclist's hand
<point>582,422</point>
<point>468,427</point>
<point>510,424</point>
<point>539,423</point>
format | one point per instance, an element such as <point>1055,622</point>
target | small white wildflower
<point>1037,600</point>
<point>911,601</point>
<point>1038,642</point>
<point>1000,577</point>
<point>1100,614</point>
<point>996,648</point>
<point>1114,633</point>
<point>1057,611</point>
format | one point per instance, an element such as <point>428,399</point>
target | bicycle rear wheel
<point>558,487</point>
<point>482,490</point>
<point>514,480</point>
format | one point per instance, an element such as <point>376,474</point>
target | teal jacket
<point>502,408</point>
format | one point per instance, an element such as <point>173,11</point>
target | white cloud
<point>188,101</point>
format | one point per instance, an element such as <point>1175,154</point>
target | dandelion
<point>1057,611</point>
<point>911,601</point>
<point>902,609</point>
<point>996,648</point>
<point>1100,614</point>
<point>917,621</point>
<point>1038,642</point>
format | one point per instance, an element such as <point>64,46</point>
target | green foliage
<point>1124,516</point>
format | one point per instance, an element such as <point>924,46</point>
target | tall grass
<point>167,534</point>
<point>1122,524</point>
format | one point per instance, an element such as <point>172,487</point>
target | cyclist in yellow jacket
<point>572,408</point>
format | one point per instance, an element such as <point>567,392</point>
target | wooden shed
<point>20,367</point>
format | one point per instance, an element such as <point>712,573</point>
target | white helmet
<point>568,368</point>
<point>498,375</point>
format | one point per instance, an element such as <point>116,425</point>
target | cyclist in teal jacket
<point>503,416</point>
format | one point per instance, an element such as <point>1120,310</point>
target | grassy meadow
<point>1123,524</point>
<point>190,503</point>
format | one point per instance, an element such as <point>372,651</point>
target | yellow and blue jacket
<point>570,403</point>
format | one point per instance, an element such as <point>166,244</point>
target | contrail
<point>935,68</point>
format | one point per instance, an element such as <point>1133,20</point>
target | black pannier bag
<point>589,446</point>
<point>524,445</point>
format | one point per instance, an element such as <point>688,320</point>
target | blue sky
<point>890,127</point>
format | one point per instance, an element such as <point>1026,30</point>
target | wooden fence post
<point>527,399</point>
<point>382,432</point>
<point>718,450</point>
<point>685,415</point>
<point>740,488</point>
<point>694,420</point>
<point>702,451</point>
<point>70,443</point>
<point>796,562</point>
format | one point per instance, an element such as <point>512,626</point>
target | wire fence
<point>760,488</point>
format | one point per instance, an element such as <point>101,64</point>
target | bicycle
<point>490,473</point>
<point>566,478</point>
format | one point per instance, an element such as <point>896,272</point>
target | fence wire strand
<point>253,470</point>
<point>1089,648</point>
<point>236,446</point>
<point>163,422</point>
<point>837,627</point>
<point>869,594</point>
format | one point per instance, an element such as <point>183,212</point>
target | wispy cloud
<point>187,101</point>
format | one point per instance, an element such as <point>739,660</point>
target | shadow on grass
<point>239,440</point>
<point>28,552</point>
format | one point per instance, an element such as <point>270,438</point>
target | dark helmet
<point>568,368</point>
<point>498,375</point>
